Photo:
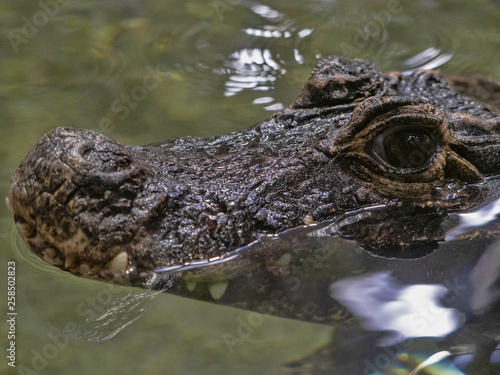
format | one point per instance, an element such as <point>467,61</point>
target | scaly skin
<point>96,207</point>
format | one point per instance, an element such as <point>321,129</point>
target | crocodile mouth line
<point>69,254</point>
<point>117,269</point>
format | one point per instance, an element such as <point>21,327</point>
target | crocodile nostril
<point>105,155</point>
<point>85,150</point>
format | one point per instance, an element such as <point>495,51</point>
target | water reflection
<point>456,361</point>
<point>382,303</point>
<point>485,278</point>
<point>103,315</point>
<point>475,219</point>
<point>462,315</point>
<point>257,68</point>
<point>251,69</point>
<point>431,58</point>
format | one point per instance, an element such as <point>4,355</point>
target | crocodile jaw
<point>45,198</point>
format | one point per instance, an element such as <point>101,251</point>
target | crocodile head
<point>354,139</point>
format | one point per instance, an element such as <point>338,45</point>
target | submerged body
<point>354,138</point>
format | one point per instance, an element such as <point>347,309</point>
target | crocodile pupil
<point>408,147</point>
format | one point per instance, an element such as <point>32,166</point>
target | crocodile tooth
<point>191,285</point>
<point>8,204</point>
<point>284,260</point>
<point>49,255</point>
<point>70,260</point>
<point>50,252</point>
<point>217,290</point>
<point>119,263</point>
<point>308,220</point>
<point>25,230</point>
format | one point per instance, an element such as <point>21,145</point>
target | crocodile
<point>354,139</point>
<point>363,171</point>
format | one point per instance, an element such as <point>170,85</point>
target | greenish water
<point>144,71</point>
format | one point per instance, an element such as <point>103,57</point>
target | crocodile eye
<point>409,147</point>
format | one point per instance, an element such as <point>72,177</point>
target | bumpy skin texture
<point>94,206</point>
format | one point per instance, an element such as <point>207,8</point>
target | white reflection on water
<point>251,68</point>
<point>265,11</point>
<point>258,67</point>
<point>475,219</point>
<point>381,303</point>
<point>433,359</point>
<point>485,278</point>
<point>431,58</point>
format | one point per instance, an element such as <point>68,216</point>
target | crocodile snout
<point>65,175</point>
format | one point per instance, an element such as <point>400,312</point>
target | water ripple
<point>431,58</point>
<point>268,47</point>
<point>99,312</point>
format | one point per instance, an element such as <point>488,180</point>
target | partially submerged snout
<point>67,175</point>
